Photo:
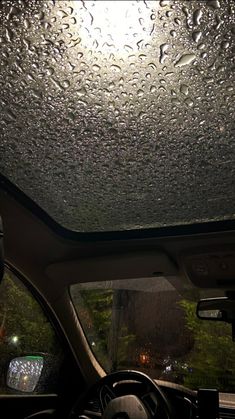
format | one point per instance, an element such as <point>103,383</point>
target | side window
<point>30,353</point>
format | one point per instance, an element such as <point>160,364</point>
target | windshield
<point>119,115</point>
<point>150,324</point>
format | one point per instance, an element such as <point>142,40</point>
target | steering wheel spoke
<point>105,396</point>
<point>119,401</point>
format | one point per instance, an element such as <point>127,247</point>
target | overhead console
<point>210,268</point>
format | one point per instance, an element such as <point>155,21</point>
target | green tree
<point>100,312</point>
<point>211,362</point>
<point>24,329</point>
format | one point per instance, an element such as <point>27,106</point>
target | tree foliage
<point>101,317</point>
<point>24,329</point>
<point>211,362</point>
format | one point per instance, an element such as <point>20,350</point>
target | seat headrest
<point>1,251</point>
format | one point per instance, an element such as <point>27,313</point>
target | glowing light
<point>119,25</point>
<point>144,359</point>
<point>14,339</point>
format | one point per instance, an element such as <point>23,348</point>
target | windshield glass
<point>119,115</point>
<point>151,325</point>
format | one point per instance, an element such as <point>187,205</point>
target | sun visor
<point>113,267</point>
<point>1,251</point>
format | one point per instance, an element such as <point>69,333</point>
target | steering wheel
<point>148,403</point>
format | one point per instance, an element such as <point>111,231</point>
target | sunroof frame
<point>179,230</point>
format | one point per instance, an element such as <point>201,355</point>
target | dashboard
<point>183,401</point>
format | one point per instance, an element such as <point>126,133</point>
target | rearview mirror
<point>218,309</point>
<point>24,373</point>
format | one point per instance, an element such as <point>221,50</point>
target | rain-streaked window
<point>150,325</point>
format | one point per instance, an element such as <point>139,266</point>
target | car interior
<point>117,232</point>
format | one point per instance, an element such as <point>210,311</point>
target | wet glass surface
<point>150,325</point>
<point>119,115</point>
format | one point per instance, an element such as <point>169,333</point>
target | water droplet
<point>142,57</point>
<point>215,4</point>
<point>197,15</point>
<point>70,10</point>
<point>36,93</point>
<point>73,21</point>
<point>30,76</point>
<point>212,66</point>
<point>177,21</point>
<point>56,83</point>
<point>40,15</point>
<point>163,53</point>
<point>62,14</point>
<point>225,45</point>
<point>153,89</point>
<point>153,66</point>
<point>164,3</point>
<point>65,26</point>
<point>9,35</point>
<point>184,89</point>
<point>173,33</point>
<point>14,11</point>
<point>65,84</point>
<point>175,101</point>
<point>96,67</point>
<point>142,115</point>
<point>115,68</point>
<point>201,46</point>
<point>84,103</point>
<point>128,48</point>
<point>19,67</point>
<point>26,23</point>
<point>185,11</point>
<point>189,102</point>
<point>219,22</point>
<point>79,55</point>
<point>50,71</point>
<point>140,92</point>
<point>10,115</point>
<point>81,92</point>
<point>196,35</point>
<point>185,59</point>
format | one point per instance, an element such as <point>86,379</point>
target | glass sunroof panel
<point>120,115</point>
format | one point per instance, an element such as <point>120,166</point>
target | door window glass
<point>26,336</point>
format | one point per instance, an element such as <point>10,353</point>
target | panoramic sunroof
<point>119,115</point>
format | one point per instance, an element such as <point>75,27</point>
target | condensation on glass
<point>120,115</point>
<point>24,373</point>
